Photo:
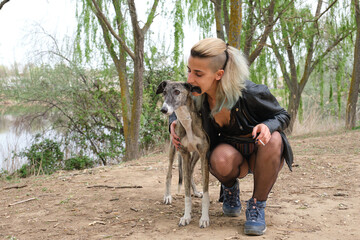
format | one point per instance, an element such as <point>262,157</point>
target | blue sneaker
<point>231,201</point>
<point>255,218</point>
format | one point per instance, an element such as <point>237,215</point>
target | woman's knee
<point>275,145</point>
<point>223,160</point>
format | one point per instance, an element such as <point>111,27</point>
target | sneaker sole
<point>253,232</point>
<point>232,214</point>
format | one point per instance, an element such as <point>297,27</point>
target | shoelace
<point>231,197</point>
<point>254,212</point>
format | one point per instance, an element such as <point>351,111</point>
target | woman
<point>245,126</point>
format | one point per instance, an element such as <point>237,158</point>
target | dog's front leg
<point>185,220</point>
<point>205,220</point>
<point>167,196</point>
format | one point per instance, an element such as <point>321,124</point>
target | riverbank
<point>318,200</point>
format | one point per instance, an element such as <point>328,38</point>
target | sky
<point>18,19</point>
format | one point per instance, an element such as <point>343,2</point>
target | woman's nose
<point>190,79</point>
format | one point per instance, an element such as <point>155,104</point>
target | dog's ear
<point>192,88</point>
<point>161,87</point>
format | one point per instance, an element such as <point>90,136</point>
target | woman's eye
<point>176,92</point>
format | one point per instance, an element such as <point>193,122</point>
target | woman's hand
<point>264,134</point>
<point>174,138</point>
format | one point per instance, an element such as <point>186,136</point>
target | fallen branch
<point>319,187</point>
<point>97,222</point>
<point>16,186</point>
<point>107,186</point>
<point>23,201</point>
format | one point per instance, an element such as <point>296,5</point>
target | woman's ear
<point>219,74</point>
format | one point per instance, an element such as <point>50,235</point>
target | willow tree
<point>355,81</point>
<point>120,42</point>
<point>301,41</point>
<point>245,25</point>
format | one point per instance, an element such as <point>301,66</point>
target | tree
<point>235,23</point>
<point>350,120</point>
<point>2,3</point>
<point>118,46</point>
<point>247,23</point>
<point>300,29</point>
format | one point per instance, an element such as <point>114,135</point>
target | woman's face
<point>200,74</point>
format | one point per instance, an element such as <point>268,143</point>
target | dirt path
<point>320,199</point>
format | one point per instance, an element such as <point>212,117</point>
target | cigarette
<point>262,142</point>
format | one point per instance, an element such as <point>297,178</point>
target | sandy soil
<point>320,199</point>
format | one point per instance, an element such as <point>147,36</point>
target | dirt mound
<point>320,199</point>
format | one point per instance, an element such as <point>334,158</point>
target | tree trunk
<point>218,20</point>
<point>249,29</point>
<point>350,121</point>
<point>132,150</point>
<point>130,112</point>
<point>293,108</point>
<point>226,18</point>
<point>235,23</point>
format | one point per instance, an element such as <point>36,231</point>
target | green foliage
<point>178,36</point>
<point>154,125</point>
<point>78,163</point>
<point>24,171</point>
<point>202,11</point>
<point>43,156</point>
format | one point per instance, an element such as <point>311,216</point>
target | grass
<point>315,124</point>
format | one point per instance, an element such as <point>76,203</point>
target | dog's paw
<point>204,222</point>
<point>167,199</point>
<point>184,221</point>
<point>198,194</point>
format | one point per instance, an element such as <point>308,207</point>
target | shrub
<point>44,156</point>
<point>23,172</point>
<point>78,163</point>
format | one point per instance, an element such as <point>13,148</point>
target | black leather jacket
<point>257,105</point>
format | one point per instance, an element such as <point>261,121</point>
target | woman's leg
<point>227,164</point>
<point>266,163</point>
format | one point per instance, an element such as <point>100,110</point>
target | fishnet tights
<point>227,164</point>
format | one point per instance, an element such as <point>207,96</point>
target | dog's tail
<point>180,162</point>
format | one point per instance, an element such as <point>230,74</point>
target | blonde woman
<point>245,126</point>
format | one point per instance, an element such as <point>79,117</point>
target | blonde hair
<point>235,73</point>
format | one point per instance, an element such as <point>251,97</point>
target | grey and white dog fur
<point>194,159</point>
<point>178,99</point>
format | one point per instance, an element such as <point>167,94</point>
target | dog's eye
<point>164,92</point>
<point>176,92</point>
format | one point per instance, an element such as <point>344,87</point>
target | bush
<point>78,163</point>
<point>45,156</point>
<point>23,172</point>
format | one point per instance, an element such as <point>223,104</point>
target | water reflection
<point>14,137</point>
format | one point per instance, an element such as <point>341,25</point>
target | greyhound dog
<point>178,99</point>
<point>194,159</point>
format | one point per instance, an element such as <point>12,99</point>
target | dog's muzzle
<point>166,109</point>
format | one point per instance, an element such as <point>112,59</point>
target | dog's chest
<point>190,140</point>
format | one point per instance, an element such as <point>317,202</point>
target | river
<point>12,140</point>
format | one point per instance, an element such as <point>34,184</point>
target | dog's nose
<point>164,110</point>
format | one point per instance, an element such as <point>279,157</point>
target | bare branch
<point>327,9</point>
<point>150,17</point>
<point>331,47</point>
<point>134,19</point>
<point>102,17</point>
<point>3,3</point>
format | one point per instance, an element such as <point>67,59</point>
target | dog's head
<point>175,94</point>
